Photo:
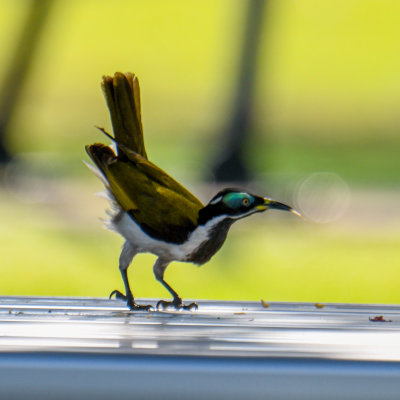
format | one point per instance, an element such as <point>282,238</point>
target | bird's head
<point>234,204</point>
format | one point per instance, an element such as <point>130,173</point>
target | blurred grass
<point>328,90</point>
<point>369,163</point>
<point>57,250</point>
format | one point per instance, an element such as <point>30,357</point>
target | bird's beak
<point>272,204</point>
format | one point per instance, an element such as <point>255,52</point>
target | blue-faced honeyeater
<point>153,212</point>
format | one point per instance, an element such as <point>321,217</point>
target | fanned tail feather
<point>122,94</point>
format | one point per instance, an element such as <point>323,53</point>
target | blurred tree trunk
<point>230,165</point>
<point>15,78</point>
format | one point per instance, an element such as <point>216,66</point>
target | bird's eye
<point>237,200</point>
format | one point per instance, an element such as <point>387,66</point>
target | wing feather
<point>158,203</point>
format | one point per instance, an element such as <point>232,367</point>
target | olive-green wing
<point>159,176</point>
<point>122,94</point>
<point>158,203</point>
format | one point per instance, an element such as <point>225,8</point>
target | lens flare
<point>323,197</point>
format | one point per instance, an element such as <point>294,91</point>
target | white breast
<point>132,232</point>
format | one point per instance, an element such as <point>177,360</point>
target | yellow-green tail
<point>122,94</point>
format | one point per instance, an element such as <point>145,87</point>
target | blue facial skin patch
<point>237,200</point>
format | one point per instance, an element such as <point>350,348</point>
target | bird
<point>152,211</point>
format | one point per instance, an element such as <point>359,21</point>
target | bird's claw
<point>130,301</point>
<point>118,295</point>
<point>177,304</point>
<point>190,307</point>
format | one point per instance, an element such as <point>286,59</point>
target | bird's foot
<point>177,304</point>
<point>130,301</point>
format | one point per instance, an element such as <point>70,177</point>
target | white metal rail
<point>95,348</point>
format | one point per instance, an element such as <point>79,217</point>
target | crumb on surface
<point>379,318</point>
<point>264,304</point>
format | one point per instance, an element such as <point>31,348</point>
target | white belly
<point>132,232</point>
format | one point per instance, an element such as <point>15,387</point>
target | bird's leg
<point>128,297</point>
<point>159,268</point>
<point>125,259</point>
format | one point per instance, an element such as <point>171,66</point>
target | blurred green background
<point>325,138</point>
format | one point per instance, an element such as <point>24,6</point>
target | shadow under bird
<point>152,211</point>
